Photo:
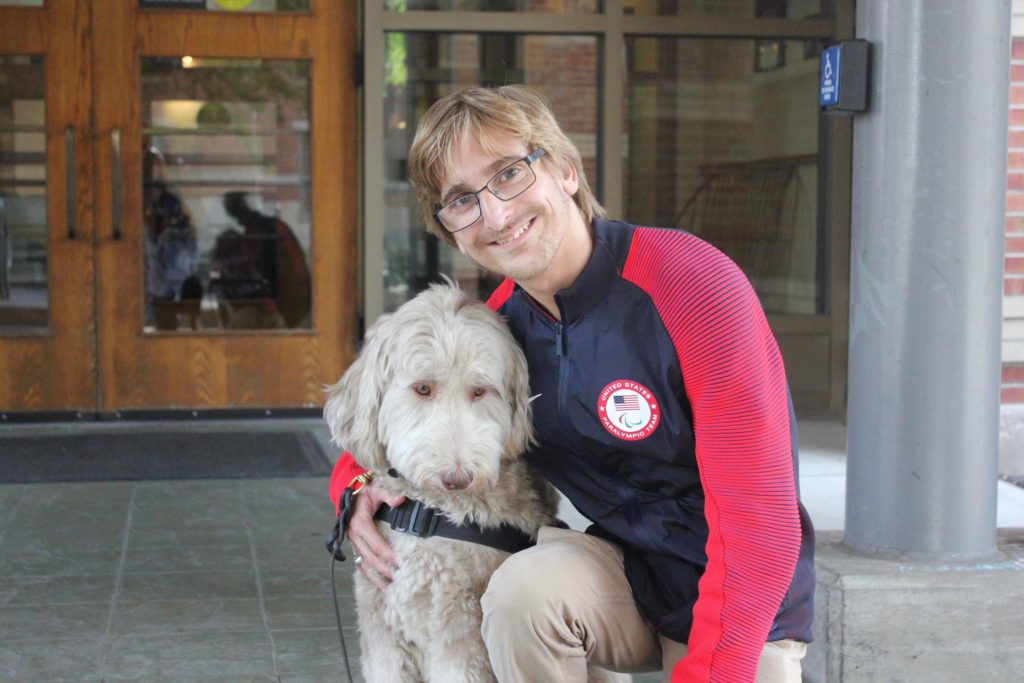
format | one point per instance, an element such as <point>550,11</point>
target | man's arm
<point>379,559</point>
<point>736,384</point>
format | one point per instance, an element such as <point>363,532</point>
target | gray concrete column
<point>929,176</point>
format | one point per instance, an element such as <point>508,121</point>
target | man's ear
<point>570,180</point>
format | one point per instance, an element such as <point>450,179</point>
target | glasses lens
<point>512,181</point>
<point>460,213</point>
<point>509,183</point>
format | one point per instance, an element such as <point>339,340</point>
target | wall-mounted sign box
<point>844,77</point>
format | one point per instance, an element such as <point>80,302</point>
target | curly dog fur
<point>439,396</point>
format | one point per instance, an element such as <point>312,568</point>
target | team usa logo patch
<point>628,410</point>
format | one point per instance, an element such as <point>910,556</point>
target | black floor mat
<point>160,455</point>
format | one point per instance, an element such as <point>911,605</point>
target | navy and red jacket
<point>664,416</point>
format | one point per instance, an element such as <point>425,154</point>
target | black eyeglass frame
<point>529,159</point>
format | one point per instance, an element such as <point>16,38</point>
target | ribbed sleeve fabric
<point>502,294</point>
<point>736,385</point>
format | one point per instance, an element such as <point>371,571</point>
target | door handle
<point>69,178</point>
<point>115,179</point>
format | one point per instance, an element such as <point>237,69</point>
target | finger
<point>376,579</point>
<point>392,499</point>
<point>365,527</point>
<point>380,558</point>
<point>376,551</point>
<point>365,567</point>
<point>364,535</point>
<point>372,546</point>
<point>358,536</point>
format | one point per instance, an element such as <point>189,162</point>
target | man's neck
<point>573,256</point>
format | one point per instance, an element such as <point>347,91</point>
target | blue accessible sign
<point>829,77</point>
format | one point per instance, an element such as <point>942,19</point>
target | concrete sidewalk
<point>823,481</point>
<point>220,580</point>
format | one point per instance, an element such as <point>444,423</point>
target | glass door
<point>47,318</point>
<point>221,186</point>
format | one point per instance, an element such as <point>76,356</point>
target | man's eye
<point>509,174</point>
<point>462,203</point>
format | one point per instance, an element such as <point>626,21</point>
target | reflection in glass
<point>420,69</point>
<point>226,194</point>
<point>725,145</point>
<point>536,6</point>
<point>786,9</point>
<point>230,5</point>
<point>24,292</point>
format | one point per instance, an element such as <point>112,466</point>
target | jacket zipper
<point>560,352</point>
<point>627,497</point>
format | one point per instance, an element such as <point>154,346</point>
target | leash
<point>341,635</point>
<point>346,506</point>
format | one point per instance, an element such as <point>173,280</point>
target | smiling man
<point>663,415</point>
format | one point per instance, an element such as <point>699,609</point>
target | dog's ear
<point>353,404</point>
<point>517,382</point>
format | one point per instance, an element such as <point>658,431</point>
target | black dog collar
<point>413,517</point>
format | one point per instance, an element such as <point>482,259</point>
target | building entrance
<point>170,238</point>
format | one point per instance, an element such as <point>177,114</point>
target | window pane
<point>789,9</point>
<point>21,3</point>
<point>537,6</point>
<point>226,193</point>
<point>24,291</point>
<point>723,142</point>
<point>420,69</point>
<point>231,5</point>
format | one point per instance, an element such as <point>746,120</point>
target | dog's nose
<point>457,479</point>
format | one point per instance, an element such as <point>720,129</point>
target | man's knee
<point>519,586</point>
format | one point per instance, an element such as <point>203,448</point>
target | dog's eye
<point>424,390</point>
<point>478,392</point>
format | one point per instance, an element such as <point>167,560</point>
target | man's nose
<point>494,210</point>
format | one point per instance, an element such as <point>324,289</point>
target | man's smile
<point>515,235</point>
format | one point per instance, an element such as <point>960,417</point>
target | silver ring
<point>357,560</point>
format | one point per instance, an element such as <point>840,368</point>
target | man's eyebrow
<point>501,163</point>
<point>492,168</point>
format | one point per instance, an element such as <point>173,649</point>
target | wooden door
<point>187,114</point>
<point>47,317</point>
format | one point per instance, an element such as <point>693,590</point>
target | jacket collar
<point>594,283</point>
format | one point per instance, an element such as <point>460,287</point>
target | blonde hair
<point>485,115</point>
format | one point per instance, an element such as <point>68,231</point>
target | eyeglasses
<point>508,183</point>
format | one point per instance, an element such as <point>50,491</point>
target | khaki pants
<point>553,608</point>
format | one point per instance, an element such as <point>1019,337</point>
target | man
<point>663,415</point>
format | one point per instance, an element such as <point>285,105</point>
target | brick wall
<point>1013,282</point>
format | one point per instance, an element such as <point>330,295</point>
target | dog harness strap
<point>413,517</point>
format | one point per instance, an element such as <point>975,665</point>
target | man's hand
<point>379,559</point>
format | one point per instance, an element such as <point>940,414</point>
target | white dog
<point>439,399</point>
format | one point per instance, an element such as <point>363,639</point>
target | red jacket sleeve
<point>345,470</point>
<point>501,294</point>
<point>736,385</point>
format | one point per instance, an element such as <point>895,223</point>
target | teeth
<point>514,235</point>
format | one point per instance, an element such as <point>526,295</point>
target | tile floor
<point>218,580</point>
<point>201,580</point>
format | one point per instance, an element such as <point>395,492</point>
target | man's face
<point>519,238</point>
